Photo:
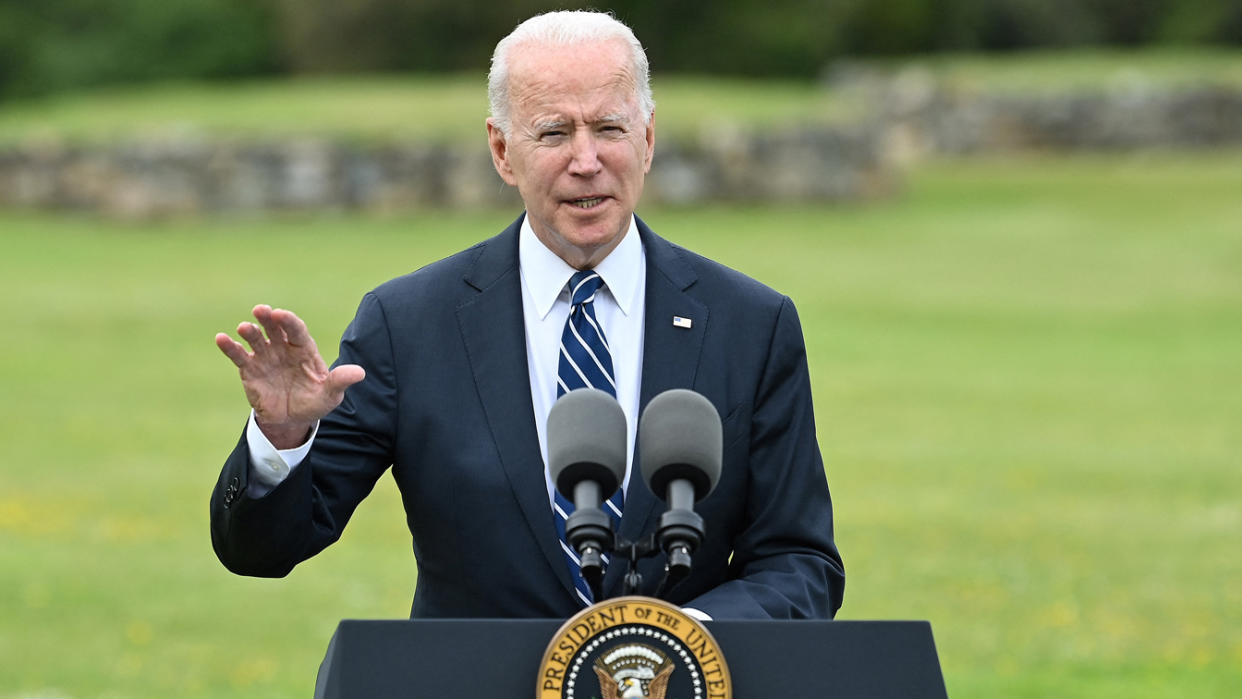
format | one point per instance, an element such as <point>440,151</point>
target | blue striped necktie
<point>585,362</point>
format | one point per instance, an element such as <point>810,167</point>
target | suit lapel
<point>493,330</point>
<point>670,360</point>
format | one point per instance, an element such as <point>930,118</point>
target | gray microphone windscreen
<point>680,437</point>
<point>586,441</point>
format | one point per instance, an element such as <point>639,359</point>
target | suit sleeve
<point>785,563</point>
<point>267,536</point>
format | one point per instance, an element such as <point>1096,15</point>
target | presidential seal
<point>633,648</point>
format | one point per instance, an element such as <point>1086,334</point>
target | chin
<point>595,237</point>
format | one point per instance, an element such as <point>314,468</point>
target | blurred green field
<point>436,108</point>
<point>451,108</point>
<point>1027,72</point>
<point>1026,373</point>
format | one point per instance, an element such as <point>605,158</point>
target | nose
<point>583,156</point>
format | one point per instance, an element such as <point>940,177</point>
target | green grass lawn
<point>444,109</point>
<point>452,108</point>
<point>1026,72</point>
<point>1028,387</point>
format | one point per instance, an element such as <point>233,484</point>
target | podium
<point>484,658</point>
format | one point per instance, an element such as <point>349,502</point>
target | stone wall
<point>924,118</point>
<point>172,177</point>
<point>163,177</point>
<point>910,117</point>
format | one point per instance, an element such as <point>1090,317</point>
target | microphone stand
<point>680,533</point>
<point>633,551</point>
<point>589,532</point>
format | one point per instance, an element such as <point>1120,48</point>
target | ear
<point>500,153</point>
<point>650,136</point>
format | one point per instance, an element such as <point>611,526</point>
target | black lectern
<point>485,658</point>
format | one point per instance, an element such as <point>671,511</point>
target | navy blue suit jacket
<point>446,402</point>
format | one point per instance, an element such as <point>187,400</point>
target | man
<point>448,374</point>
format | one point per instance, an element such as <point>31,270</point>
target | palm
<point>285,379</point>
<point>287,384</point>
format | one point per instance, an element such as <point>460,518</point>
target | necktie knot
<point>586,361</point>
<point>583,285</point>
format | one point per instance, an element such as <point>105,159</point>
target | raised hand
<point>286,381</point>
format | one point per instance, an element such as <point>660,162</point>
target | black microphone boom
<point>680,445</point>
<point>586,458</point>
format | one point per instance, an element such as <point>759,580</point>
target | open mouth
<point>586,202</point>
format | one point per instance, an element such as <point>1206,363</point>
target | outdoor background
<point>1023,311</point>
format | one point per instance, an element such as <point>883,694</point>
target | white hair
<point>565,29</point>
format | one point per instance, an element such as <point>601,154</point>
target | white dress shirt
<point>618,307</point>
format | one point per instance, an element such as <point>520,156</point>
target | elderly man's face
<point>578,146</point>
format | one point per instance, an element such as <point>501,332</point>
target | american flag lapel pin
<point>679,322</point>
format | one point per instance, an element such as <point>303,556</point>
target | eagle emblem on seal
<point>633,671</point>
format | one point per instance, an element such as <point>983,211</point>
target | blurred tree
<point>1129,22</point>
<point>56,44</point>
<point>915,26</point>
<point>740,37</point>
<point>48,45</point>
<point>386,35</point>
<point>1199,21</point>
<point>1022,24</point>
<point>15,48</point>
<point>920,26</point>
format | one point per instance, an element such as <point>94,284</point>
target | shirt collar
<point>547,275</point>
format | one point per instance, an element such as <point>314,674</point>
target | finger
<point>232,349</point>
<point>253,336</point>
<point>344,376</point>
<point>294,328</point>
<point>261,311</point>
<point>275,334</point>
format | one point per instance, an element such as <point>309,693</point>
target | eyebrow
<point>552,124</point>
<point>613,118</point>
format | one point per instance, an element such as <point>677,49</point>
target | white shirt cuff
<point>269,466</point>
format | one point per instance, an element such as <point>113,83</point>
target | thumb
<point>344,376</point>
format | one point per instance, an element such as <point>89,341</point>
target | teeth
<point>587,203</point>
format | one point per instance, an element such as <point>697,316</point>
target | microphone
<point>586,458</point>
<point>680,442</point>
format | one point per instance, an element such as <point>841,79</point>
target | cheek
<point>543,168</point>
<point>635,156</point>
<point>616,158</point>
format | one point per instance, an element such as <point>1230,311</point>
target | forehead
<point>582,78</point>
